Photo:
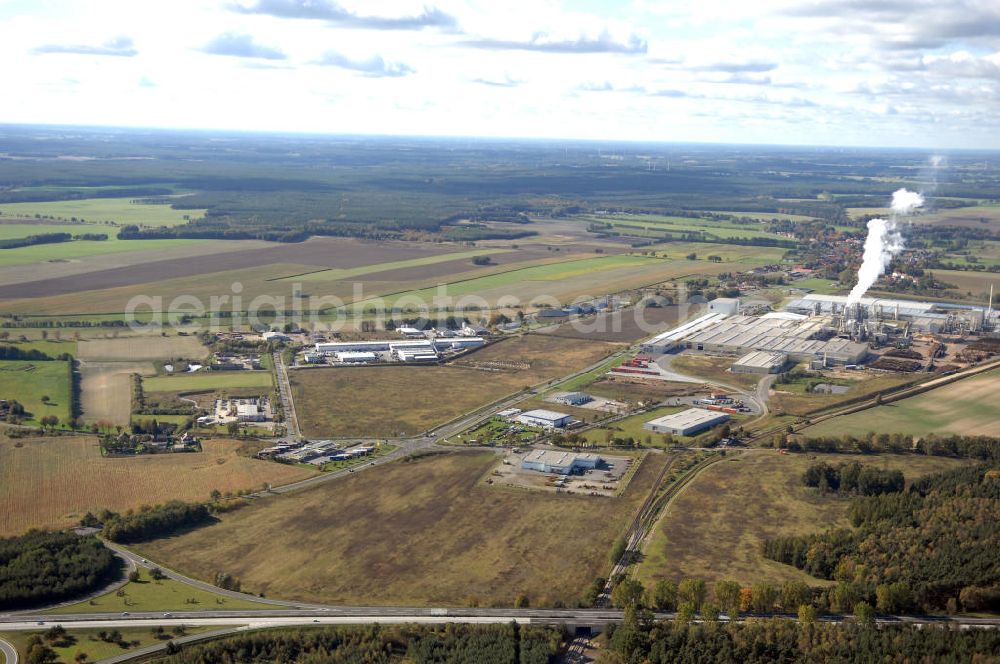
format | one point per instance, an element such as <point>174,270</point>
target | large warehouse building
<point>799,337</point>
<point>687,422</point>
<point>559,462</point>
<point>544,418</point>
<point>760,362</point>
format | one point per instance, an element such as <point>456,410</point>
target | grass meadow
<point>427,532</point>
<point>118,210</point>
<point>208,380</point>
<point>28,382</point>
<point>713,529</point>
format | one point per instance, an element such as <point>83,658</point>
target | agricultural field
<point>970,284</point>
<point>765,216</point>
<point>51,347</point>
<point>967,407</point>
<point>106,390</point>
<point>121,211</point>
<point>652,225</point>
<point>208,380</point>
<point>138,349</point>
<point>52,482</point>
<point>626,325</point>
<point>30,382</point>
<point>986,217</point>
<point>395,400</point>
<point>713,529</point>
<point>729,253</point>
<point>427,532</point>
<point>791,398</point>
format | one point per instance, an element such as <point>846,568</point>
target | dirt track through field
<point>321,252</point>
<point>106,389</point>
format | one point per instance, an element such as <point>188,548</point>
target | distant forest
<point>288,188</point>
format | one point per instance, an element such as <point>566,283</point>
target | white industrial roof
<point>688,418</point>
<point>687,329</point>
<point>558,457</point>
<point>347,356</point>
<point>542,414</point>
<point>762,358</point>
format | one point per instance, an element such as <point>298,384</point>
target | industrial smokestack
<point>883,242</point>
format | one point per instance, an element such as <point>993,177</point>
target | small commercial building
<point>544,418</point>
<point>509,412</point>
<point>572,398</point>
<point>559,462</point>
<point>687,422</point>
<point>760,362</point>
<point>730,306</point>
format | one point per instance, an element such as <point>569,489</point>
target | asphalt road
<point>9,654</point>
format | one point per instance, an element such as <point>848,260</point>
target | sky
<point>920,73</point>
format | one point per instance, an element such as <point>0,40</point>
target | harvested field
<point>132,349</point>
<point>106,389</point>
<point>209,380</point>
<point>625,388</point>
<point>627,325</point>
<point>420,533</point>
<point>966,407</point>
<point>319,252</point>
<point>980,217</point>
<point>714,528</point>
<point>65,259</point>
<point>391,400</point>
<point>52,482</point>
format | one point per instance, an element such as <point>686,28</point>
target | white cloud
<point>769,71</point>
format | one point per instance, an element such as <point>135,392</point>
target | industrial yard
<point>562,471</point>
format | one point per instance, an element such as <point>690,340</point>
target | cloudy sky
<point>921,73</point>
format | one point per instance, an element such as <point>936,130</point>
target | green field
<point>713,528</point>
<point>27,382</point>
<point>148,594</point>
<point>765,216</point>
<point>208,380</point>
<point>552,272</point>
<point>88,641</point>
<point>966,407</point>
<point>50,347</point>
<point>335,274</point>
<point>821,286</point>
<point>632,427</point>
<point>65,251</point>
<point>118,210</point>
<point>727,252</point>
<point>652,225</point>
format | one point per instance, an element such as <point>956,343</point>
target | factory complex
<point>389,350</point>
<point>687,422</point>
<point>820,329</point>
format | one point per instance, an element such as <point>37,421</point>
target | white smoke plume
<point>883,242</point>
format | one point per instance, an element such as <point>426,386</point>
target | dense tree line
<point>32,354</point>
<point>931,547</point>
<point>43,567</point>
<point>151,522</point>
<point>983,448</point>
<point>853,478</point>
<point>42,238</point>
<point>482,644</point>
<point>776,640</point>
